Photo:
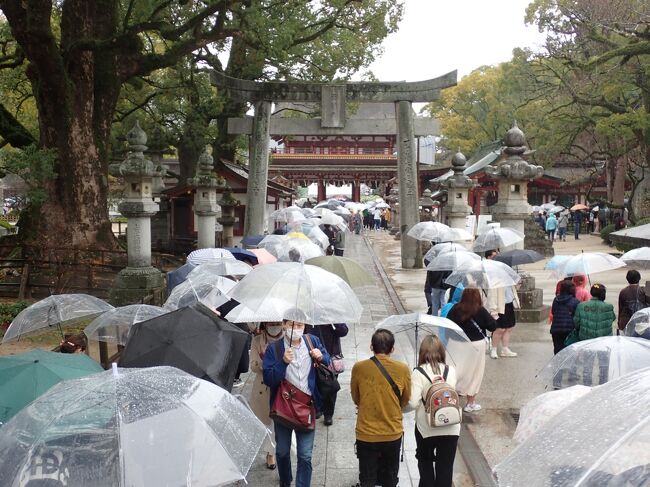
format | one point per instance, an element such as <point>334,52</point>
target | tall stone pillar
<point>458,187</point>
<point>205,184</point>
<point>258,170</point>
<point>513,174</point>
<point>322,190</point>
<point>408,192</point>
<point>139,279</point>
<point>227,218</point>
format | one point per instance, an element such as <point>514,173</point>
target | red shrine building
<point>339,160</point>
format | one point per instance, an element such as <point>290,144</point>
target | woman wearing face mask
<point>291,360</point>
<point>260,394</point>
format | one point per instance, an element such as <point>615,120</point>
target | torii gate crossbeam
<point>332,98</point>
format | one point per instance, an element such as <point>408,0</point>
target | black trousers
<point>378,463</point>
<point>558,341</point>
<point>438,452</point>
<point>328,403</point>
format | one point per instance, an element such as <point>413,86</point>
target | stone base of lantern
<point>531,299</point>
<point>135,284</point>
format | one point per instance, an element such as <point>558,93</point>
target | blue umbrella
<point>252,240</point>
<point>177,276</point>
<point>243,254</point>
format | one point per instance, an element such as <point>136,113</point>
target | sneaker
<point>238,383</point>
<point>472,408</point>
<point>493,353</point>
<point>506,352</point>
<point>328,421</point>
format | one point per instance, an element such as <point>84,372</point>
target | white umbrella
<point>308,212</point>
<point>485,274</point>
<point>450,261</point>
<point>444,247</point>
<point>438,232</point>
<point>54,312</point>
<point>201,256</point>
<point>146,427</point>
<point>589,263</point>
<point>290,290</point>
<point>639,258</point>
<point>497,238</point>
<point>600,439</point>
<point>596,361</point>
<point>444,328</point>
<point>219,267</point>
<point>382,204</point>
<point>212,294</point>
<point>114,325</point>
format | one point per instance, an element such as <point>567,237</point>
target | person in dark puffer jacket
<point>563,309</point>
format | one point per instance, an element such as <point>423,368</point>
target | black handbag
<point>326,380</point>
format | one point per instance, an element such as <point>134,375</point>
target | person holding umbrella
<point>475,321</point>
<point>292,361</point>
<point>260,394</point>
<point>577,220</point>
<point>330,336</point>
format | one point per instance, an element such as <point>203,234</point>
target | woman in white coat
<point>435,446</point>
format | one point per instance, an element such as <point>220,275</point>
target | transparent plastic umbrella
<point>54,312</point>
<point>540,409</point>
<point>287,215</point>
<point>444,247</point>
<point>290,290</point>
<point>450,261</point>
<point>219,267</point>
<point>589,263</point>
<point>639,324</point>
<point>201,256</point>
<point>312,231</point>
<point>114,325</point>
<point>421,324</point>
<point>146,427</point>
<point>555,262</point>
<point>212,294</point>
<point>430,231</point>
<point>347,269</point>
<point>638,258</point>
<point>600,439</point>
<point>497,238</point>
<point>296,250</point>
<point>596,361</point>
<point>485,274</point>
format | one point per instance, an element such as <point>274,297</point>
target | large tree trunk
<point>76,92</point>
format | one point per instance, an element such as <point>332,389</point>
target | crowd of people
<point>555,224</point>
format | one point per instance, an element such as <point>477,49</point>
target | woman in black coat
<point>330,336</point>
<point>563,308</point>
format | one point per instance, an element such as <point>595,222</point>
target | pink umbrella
<point>263,256</point>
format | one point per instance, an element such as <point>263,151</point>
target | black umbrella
<point>519,257</point>
<point>193,339</point>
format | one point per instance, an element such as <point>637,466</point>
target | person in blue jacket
<point>292,360</point>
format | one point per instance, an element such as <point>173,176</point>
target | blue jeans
<point>437,300</point>
<point>305,445</point>
<point>562,231</point>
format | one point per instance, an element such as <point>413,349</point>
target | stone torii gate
<point>332,98</point>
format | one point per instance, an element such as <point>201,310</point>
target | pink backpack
<point>440,400</point>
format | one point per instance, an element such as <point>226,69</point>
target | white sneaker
<point>472,408</point>
<point>476,407</point>
<point>493,353</point>
<point>468,409</point>
<point>506,352</point>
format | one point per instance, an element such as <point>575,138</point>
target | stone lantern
<point>139,279</point>
<point>426,206</point>
<point>205,184</point>
<point>513,174</point>
<point>227,219</point>
<point>458,186</point>
<point>393,200</point>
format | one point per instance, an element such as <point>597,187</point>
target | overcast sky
<point>438,36</point>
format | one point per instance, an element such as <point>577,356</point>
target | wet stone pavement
<point>334,460</point>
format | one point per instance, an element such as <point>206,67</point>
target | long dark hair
<point>469,304</point>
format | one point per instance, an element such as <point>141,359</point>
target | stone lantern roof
<point>513,167</point>
<point>136,164</point>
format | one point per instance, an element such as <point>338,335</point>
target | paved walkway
<point>334,460</point>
